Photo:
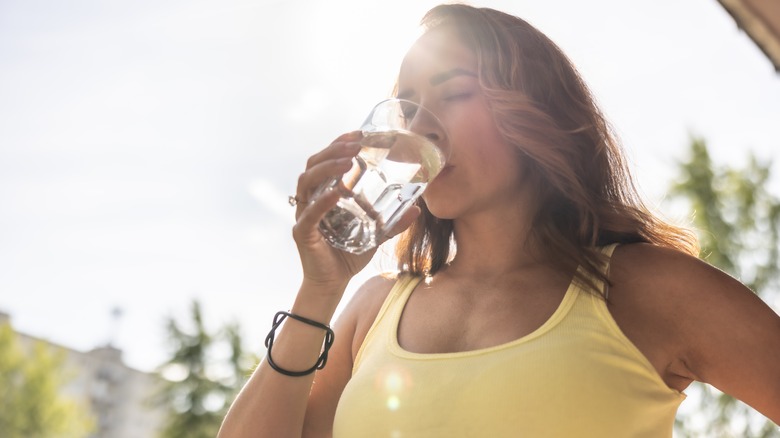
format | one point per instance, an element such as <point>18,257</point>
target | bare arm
<point>352,327</point>
<point>272,404</point>
<point>733,341</point>
<point>708,326</point>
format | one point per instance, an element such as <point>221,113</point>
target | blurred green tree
<point>32,403</point>
<point>738,223</point>
<point>205,372</point>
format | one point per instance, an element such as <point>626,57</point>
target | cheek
<point>477,149</point>
<point>498,161</point>
<point>486,148</point>
<point>473,126</point>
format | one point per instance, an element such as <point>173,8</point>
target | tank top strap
<point>388,314</point>
<point>607,250</point>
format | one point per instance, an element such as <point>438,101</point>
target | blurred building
<point>760,19</point>
<point>120,398</point>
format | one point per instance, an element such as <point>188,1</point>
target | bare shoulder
<point>365,305</point>
<point>660,272</point>
<point>674,288</point>
<point>374,289</point>
<point>645,261</point>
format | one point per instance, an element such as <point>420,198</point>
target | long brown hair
<point>542,106</point>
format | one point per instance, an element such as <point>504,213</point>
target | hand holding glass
<point>398,158</point>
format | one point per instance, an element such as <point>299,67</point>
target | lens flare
<point>394,384</point>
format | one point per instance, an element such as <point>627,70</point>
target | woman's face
<point>483,170</point>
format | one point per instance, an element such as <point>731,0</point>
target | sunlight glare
<point>393,383</point>
<point>356,54</point>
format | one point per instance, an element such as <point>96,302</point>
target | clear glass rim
<point>433,116</point>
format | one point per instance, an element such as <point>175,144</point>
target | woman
<point>554,304</point>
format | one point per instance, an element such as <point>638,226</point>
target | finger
<point>346,145</point>
<point>305,230</point>
<point>350,136</point>
<point>404,222</point>
<point>312,179</point>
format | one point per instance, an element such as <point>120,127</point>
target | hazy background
<point>147,148</point>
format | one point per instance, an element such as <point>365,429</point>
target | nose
<point>427,125</point>
<point>424,123</point>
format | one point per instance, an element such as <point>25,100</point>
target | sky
<point>147,148</point>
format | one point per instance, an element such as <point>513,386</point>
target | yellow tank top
<point>577,375</point>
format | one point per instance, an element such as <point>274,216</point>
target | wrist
<point>321,360</point>
<point>318,302</point>
<point>324,286</point>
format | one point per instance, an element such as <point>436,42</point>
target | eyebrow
<point>449,74</point>
<point>440,78</point>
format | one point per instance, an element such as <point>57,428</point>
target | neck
<point>494,244</point>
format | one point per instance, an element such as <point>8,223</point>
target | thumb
<point>403,223</point>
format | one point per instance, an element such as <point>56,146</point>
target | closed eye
<point>458,96</point>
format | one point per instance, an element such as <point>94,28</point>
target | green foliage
<point>738,220</point>
<point>31,380</point>
<point>205,372</point>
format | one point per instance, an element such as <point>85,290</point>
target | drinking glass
<point>398,158</point>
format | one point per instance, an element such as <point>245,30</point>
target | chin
<point>440,207</point>
<point>439,199</point>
